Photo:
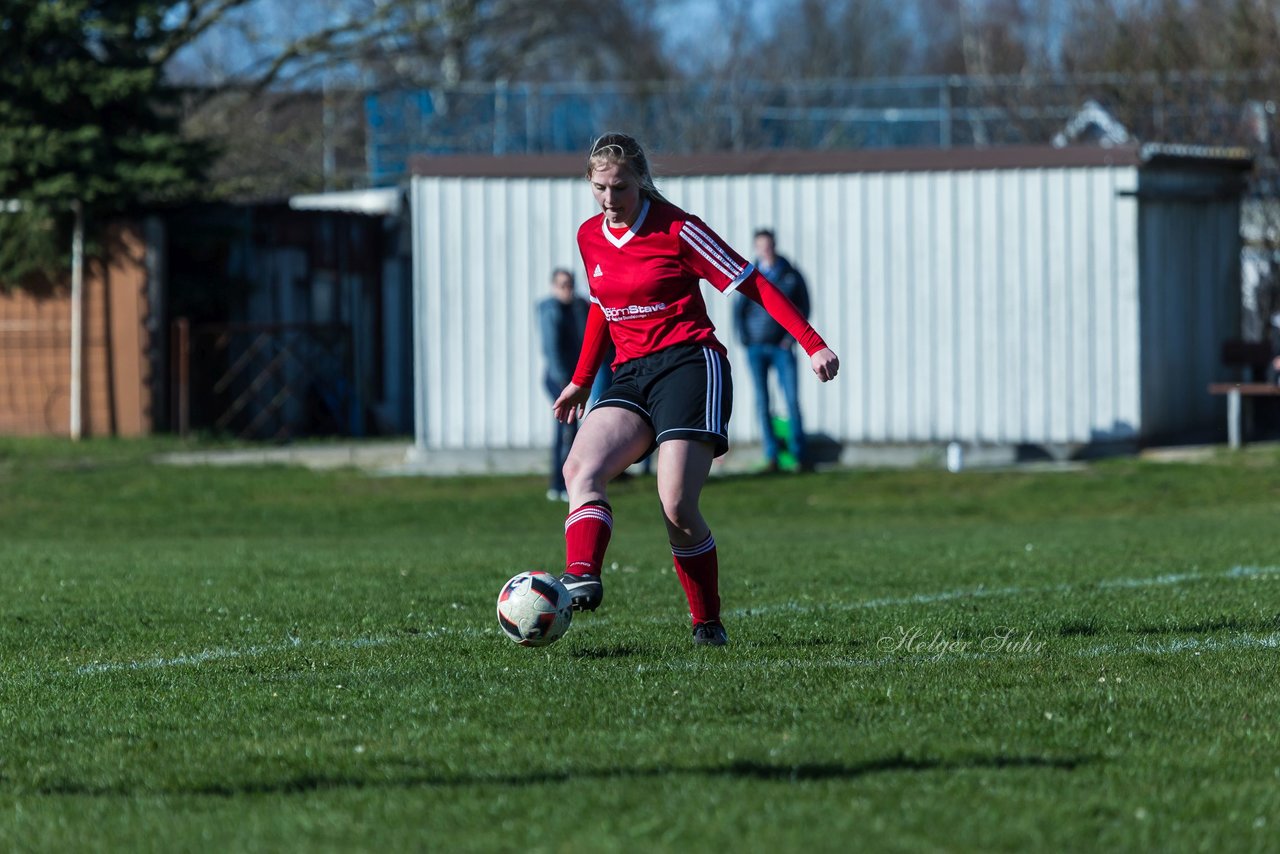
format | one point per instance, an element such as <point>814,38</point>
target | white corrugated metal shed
<point>1004,296</point>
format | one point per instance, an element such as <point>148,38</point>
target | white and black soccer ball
<point>534,609</point>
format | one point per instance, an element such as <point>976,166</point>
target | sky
<point>684,20</point>
<point>224,49</point>
<point>700,15</point>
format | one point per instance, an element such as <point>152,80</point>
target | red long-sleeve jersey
<point>644,286</point>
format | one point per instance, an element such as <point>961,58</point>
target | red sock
<point>586,536</point>
<point>699,572</point>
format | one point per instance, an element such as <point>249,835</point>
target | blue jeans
<point>762,357</point>
<point>562,436</point>
<point>604,379</point>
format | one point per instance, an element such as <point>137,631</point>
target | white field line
<point>1186,645</point>
<point>181,660</point>
<point>1196,645</point>
<point>1239,572</point>
<point>230,653</point>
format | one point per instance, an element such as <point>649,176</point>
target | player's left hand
<point>569,405</point>
<point>825,364</point>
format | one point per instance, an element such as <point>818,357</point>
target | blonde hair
<point>620,149</point>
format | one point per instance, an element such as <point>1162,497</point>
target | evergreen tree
<point>85,115</point>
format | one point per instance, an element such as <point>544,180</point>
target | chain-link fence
<point>509,118</point>
<point>265,380</point>
<point>35,370</point>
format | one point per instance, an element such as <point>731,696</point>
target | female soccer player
<point>644,257</point>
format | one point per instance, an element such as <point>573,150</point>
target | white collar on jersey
<point>630,232</point>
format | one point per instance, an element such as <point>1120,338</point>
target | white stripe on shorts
<point>713,389</point>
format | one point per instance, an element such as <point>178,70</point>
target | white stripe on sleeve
<point>727,268</point>
<point>709,241</point>
<point>742,277</point>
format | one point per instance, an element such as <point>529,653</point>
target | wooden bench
<point>1235,393</point>
<point>1252,358</point>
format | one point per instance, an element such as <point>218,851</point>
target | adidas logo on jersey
<point>598,272</point>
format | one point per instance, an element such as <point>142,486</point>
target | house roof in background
<point>381,201</point>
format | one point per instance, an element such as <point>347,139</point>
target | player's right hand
<point>568,406</point>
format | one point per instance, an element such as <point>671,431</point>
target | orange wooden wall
<point>35,350</point>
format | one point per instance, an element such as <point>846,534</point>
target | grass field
<point>276,659</point>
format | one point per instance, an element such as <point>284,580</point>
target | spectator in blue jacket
<point>770,347</point>
<point>562,318</point>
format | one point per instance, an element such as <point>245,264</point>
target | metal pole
<point>533,139</point>
<point>77,316</point>
<point>500,117</point>
<point>180,352</point>
<point>1233,418</point>
<point>370,155</point>
<point>328,147</point>
<point>944,110</point>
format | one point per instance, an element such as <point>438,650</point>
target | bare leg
<point>609,440</point>
<point>683,467</point>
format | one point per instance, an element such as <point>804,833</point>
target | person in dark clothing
<point>562,318</point>
<point>769,346</point>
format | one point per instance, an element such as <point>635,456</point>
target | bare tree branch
<point>200,16</point>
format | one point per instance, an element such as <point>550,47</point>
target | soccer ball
<point>534,609</point>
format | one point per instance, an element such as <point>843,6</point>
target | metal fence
<point>34,375</point>
<point>265,381</point>
<point>507,118</point>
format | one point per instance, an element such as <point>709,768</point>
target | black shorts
<point>682,392</point>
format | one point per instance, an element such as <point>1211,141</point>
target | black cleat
<point>710,633</point>
<point>586,590</point>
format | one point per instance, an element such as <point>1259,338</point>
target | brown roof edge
<point>498,166</point>
<point>786,162</point>
<point>894,160</point>
<point>783,162</point>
